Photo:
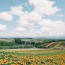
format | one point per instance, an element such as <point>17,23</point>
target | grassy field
<point>32,57</point>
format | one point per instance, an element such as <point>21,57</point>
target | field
<point>19,51</point>
<point>18,43</point>
<point>32,57</point>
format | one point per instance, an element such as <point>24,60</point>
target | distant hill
<point>6,39</point>
<point>55,45</point>
<point>30,43</point>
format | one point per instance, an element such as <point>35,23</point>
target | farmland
<point>32,52</point>
<point>18,43</point>
<point>32,57</point>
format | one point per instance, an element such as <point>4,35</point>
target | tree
<point>17,41</point>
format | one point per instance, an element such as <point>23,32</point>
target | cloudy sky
<point>32,18</point>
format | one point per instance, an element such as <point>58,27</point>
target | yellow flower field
<point>16,58</point>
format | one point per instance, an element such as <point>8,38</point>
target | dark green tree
<point>18,41</point>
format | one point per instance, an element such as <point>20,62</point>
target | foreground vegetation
<point>32,57</point>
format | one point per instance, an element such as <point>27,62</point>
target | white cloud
<point>60,15</point>
<point>20,29</point>
<point>16,10</point>
<point>6,16</point>
<point>3,27</point>
<point>45,28</point>
<point>32,24</point>
<point>29,19</point>
<point>52,28</point>
<point>44,6</point>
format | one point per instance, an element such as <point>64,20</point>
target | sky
<point>32,18</point>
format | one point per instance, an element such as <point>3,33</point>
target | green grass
<point>32,52</point>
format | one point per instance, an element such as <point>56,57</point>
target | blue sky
<point>32,18</point>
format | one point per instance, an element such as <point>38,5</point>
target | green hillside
<point>16,43</point>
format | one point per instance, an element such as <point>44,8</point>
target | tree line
<point>19,43</point>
